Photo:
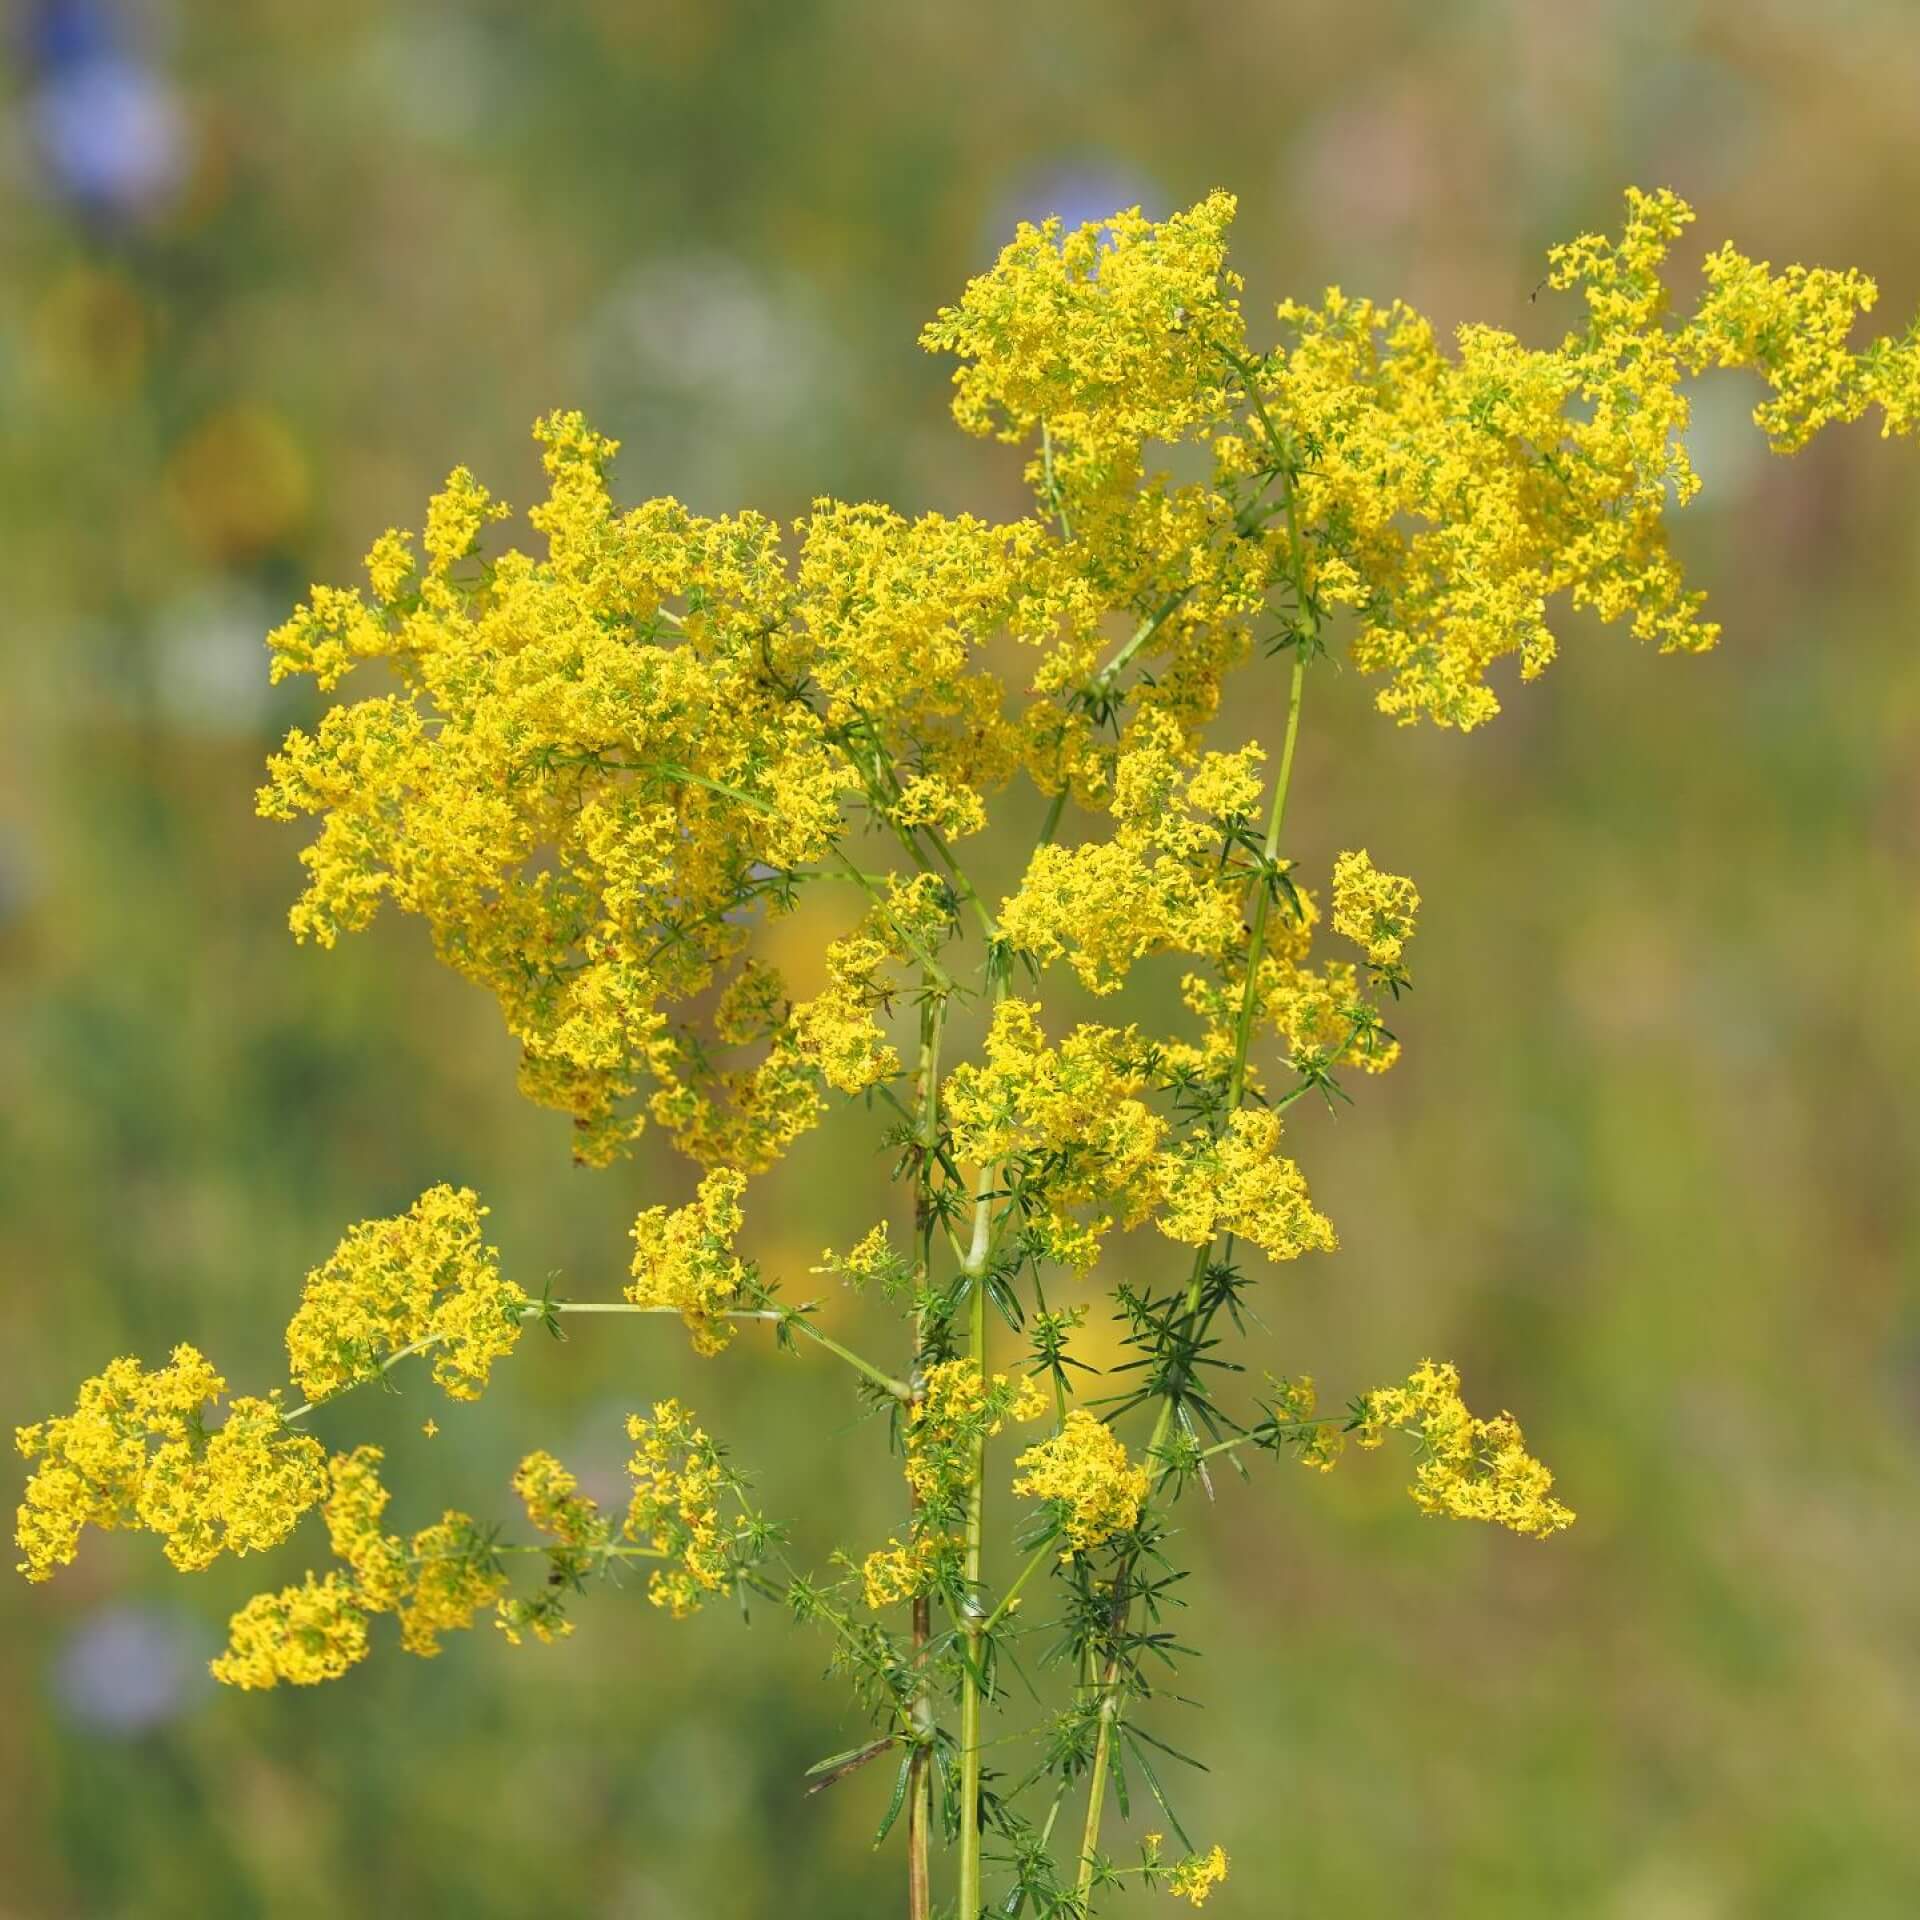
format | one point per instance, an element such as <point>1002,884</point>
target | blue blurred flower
<point>108,125</point>
<point>124,1669</point>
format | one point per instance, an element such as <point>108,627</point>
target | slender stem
<point>1236,1091</point>
<point>605,1553</point>
<point>1046,1550</point>
<point>920,1776</point>
<point>386,1366</point>
<point>898,1389</point>
<point>1250,990</point>
<point>972,1691</point>
<point>1097,1780</point>
<point>1270,1427</point>
<point>788,1317</point>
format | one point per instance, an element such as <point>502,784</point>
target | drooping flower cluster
<point>684,1260</point>
<point>1374,910</point>
<point>301,1635</point>
<point>581,1535</point>
<point>434,1582</point>
<point>1085,1472</point>
<point>136,1452</point>
<point>1239,1183</point>
<point>1195,1877</point>
<point>424,1279</point>
<point>1469,1468</point>
<point>678,1478</point>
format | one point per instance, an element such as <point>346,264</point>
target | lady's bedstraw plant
<point>599,775</point>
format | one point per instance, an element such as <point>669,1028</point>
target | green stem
<point>1196,1284</point>
<point>1097,1781</point>
<point>386,1366</point>
<point>920,1777</point>
<point>1250,991</point>
<point>788,1317</point>
<point>1046,1550</point>
<point>1275,1426</point>
<point>972,1692</point>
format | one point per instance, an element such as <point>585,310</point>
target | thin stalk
<point>1097,1778</point>
<point>385,1367</point>
<point>1044,1551</point>
<point>920,1774</point>
<point>972,1693</point>
<point>1236,1089</point>
<point>972,1690</point>
<point>785,1316</point>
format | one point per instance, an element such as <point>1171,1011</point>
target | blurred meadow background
<point>1648,1171</point>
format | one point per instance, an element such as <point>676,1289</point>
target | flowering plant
<point>601,774</point>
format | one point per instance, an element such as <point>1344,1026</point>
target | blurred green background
<point>1647,1172</point>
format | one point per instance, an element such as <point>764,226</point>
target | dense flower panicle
<point>1111,335</point>
<point>678,1477</point>
<point>455,1576</point>
<point>1791,329</point>
<point>684,1259</point>
<point>380,1564</point>
<point>1087,1473</point>
<point>301,1635</point>
<point>1239,1183</point>
<point>1469,1468</point>
<point>1068,1120</point>
<point>240,1489</point>
<point>136,1452</point>
<point>1160,884</point>
<point>1374,910</point>
<point>423,1278</point>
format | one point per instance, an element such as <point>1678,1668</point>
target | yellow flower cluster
<point>1469,1468</point>
<point>958,1404</point>
<point>555,1505</point>
<point>957,1407</point>
<point>1195,1877</point>
<point>1069,1119</point>
<point>1239,1183</point>
<point>1086,1471</point>
<point>678,1477</point>
<point>1159,885</point>
<point>425,1278</point>
<point>684,1260</point>
<point>893,1573</point>
<point>1792,329</point>
<point>581,1534</point>
<point>872,1259</point>
<point>598,771</point>
<point>1110,335</point>
<point>435,1583</point>
<point>1375,910</point>
<point>301,1635</point>
<point>136,1452</point>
